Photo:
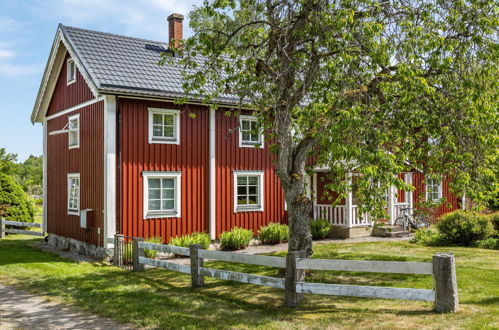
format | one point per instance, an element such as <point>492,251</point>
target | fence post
<point>444,278</point>
<point>196,264</point>
<point>137,252</point>
<point>118,250</point>
<point>293,276</point>
<point>2,228</point>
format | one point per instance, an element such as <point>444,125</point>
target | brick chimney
<point>175,29</point>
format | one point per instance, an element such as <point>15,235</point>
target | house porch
<point>345,218</point>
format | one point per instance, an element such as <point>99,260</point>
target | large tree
<point>378,87</point>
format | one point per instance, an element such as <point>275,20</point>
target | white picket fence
<point>4,229</point>
<point>442,268</point>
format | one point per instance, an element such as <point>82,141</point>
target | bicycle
<point>408,221</point>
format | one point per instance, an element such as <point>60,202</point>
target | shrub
<point>489,243</point>
<point>464,228</point>
<point>202,239</point>
<point>320,228</point>
<point>237,238</point>
<point>152,253</point>
<point>14,204</point>
<point>494,218</point>
<point>427,237</point>
<point>273,233</point>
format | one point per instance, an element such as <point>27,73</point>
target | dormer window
<point>71,71</point>
<point>250,134</point>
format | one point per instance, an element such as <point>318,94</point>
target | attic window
<point>74,131</point>
<point>71,71</point>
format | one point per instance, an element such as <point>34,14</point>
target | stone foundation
<point>344,232</point>
<point>79,247</point>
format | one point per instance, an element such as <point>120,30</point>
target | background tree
<point>356,84</point>
<point>14,204</point>
<point>8,162</point>
<point>30,174</point>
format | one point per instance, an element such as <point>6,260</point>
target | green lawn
<point>162,299</point>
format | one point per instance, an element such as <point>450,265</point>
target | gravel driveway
<point>22,310</point>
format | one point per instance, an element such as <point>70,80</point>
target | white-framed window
<point>250,135</point>
<point>164,126</point>
<point>74,131</point>
<point>433,190</point>
<point>71,71</point>
<point>248,191</point>
<point>74,193</point>
<point>162,194</point>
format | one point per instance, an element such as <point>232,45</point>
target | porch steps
<point>390,231</point>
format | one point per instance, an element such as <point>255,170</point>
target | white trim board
<point>213,174</point>
<point>109,168</point>
<point>75,107</point>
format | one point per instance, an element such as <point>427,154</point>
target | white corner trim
<point>75,107</point>
<point>260,145</point>
<point>261,192</point>
<point>177,176</point>
<point>45,129</point>
<point>73,176</point>
<point>176,113</point>
<point>78,129</point>
<point>109,168</point>
<point>213,173</point>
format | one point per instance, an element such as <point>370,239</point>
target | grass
<point>158,298</point>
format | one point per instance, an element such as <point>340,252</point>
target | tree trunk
<point>299,210</point>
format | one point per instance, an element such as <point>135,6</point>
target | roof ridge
<point>114,34</point>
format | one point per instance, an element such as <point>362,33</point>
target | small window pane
<point>241,190</point>
<point>168,204</point>
<point>157,131</point>
<point>169,131</point>
<point>168,183</point>
<point>157,119</point>
<point>252,190</point>
<point>252,199</point>
<point>154,194</point>
<point>241,180</point>
<point>252,180</point>
<point>154,205</point>
<point>241,201</point>
<point>168,119</point>
<point>168,194</point>
<point>154,183</point>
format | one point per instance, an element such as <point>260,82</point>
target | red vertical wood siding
<point>230,157</point>
<point>86,160</point>
<point>191,158</point>
<point>65,96</point>
<point>452,202</point>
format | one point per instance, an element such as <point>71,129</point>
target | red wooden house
<point>121,157</point>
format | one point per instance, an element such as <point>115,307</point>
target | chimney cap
<point>175,15</point>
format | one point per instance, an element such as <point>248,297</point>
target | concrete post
<point>444,277</point>
<point>196,263</point>
<point>293,276</point>
<point>2,228</point>
<point>118,250</point>
<point>137,253</point>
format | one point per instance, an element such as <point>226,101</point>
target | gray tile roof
<point>126,65</point>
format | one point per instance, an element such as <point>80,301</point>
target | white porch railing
<point>359,221</point>
<point>335,215</point>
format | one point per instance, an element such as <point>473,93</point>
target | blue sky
<point>27,29</point>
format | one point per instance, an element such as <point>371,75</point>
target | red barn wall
<point>452,202</point>
<point>191,157</point>
<point>86,160</point>
<point>66,96</point>
<point>230,157</point>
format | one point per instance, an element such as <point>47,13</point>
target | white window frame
<point>70,177</point>
<point>176,128</point>
<point>261,197</point>
<point>427,185</point>
<point>177,176</point>
<point>77,130</point>
<point>70,80</point>
<point>242,144</point>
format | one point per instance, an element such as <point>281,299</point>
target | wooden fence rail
<point>4,229</point>
<point>442,268</point>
